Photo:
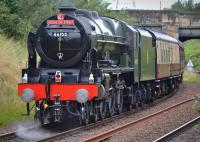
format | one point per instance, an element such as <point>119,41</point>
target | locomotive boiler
<point>92,67</point>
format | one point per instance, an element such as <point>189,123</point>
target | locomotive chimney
<point>67,10</point>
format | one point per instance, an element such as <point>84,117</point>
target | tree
<point>178,5</point>
<point>18,17</point>
<point>197,7</point>
<point>31,13</point>
<point>188,6</point>
<point>8,20</point>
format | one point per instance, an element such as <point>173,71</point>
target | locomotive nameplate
<point>60,22</point>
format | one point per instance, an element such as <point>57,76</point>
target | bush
<point>17,18</point>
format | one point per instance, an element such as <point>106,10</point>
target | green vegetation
<point>187,6</point>
<point>12,59</point>
<point>19,17</point>
<point>192,51</point>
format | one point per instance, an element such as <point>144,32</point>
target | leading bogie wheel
<point>84,114</point>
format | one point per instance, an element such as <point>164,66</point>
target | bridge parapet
<point>169,21</point>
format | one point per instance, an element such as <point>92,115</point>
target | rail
<point>111,132</point>
<point>178,130</point>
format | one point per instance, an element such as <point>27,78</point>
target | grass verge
<point>191,76</point>
<point>12,60</point>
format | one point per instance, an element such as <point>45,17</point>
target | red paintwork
<point>39,90</point>
<point>66,91</point>
<point>163,70</point>
<point>174,69</point>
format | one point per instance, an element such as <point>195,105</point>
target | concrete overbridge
<point>183,26</point>
<point>186,33</point>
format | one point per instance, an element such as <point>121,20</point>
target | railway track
<point>110,133</point>
<point>107,120</point>
<point>12,137</point>
<point>177,131</point>
<point>6,136</point>
<point>89,126</point>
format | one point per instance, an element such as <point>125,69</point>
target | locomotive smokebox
<point>62,40</point>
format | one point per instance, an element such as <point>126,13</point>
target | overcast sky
<point>155,4</point>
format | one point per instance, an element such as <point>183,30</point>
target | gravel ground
<point>190,135</point>
<point>157,126</point>
<point>153,128</point>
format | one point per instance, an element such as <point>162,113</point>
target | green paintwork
<point>147,59</point>
<point>124,60</point>
<point>136,60</point>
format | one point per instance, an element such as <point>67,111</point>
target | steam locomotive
<point>92,67</point>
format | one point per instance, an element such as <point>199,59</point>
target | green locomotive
<point>92,67</point>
